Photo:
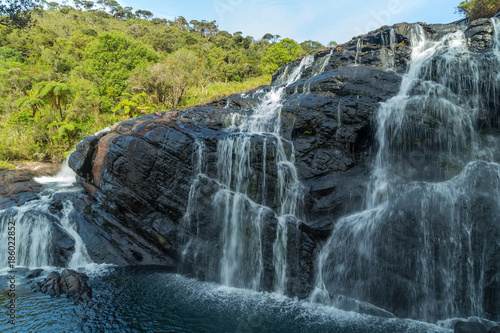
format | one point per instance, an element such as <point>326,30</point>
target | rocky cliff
<point>141,178</point>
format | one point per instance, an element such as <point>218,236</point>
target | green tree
<point>32,99</point>
<point>475,9</point>
<point>280,54</point>
<point>53,5</point>
<point>16,13</point>
<point>88,5</point>
<point>181,23</point>
<point>310,46</point>
<point>110,60</point>
<point>268,37</point>
<point>124,13</point>
<point>58,94</point>
<point>66,132</point>
<point>167,82</point>
<point>145,14</point>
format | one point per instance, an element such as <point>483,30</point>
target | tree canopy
<point>475,9</point>
<point>280,54</point>
<point>16,13</point>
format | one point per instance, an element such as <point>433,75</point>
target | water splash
<point>64,178</point>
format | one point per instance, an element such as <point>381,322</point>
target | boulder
<point>68,282</point>
<point>34,273</point>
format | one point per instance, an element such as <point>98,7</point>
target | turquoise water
<point>154,300</point>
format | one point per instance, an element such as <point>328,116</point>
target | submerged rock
<point>34,273</point>
<point>469,327</point>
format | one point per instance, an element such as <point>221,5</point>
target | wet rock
<point>39,168</point>
<point>63,246</point>
<point>75,286</point>
<point>479,35</point>
<point>495,329</point>
<point>17,187</point>
<point>34,273</point>
<point>69,282</point>
<point>469,327</point>
<point>52,284</point>
<point>81,159</point>
<point>438,31</point>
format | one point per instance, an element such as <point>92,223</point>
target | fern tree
<point>58,94</point>
<point>32,99</point>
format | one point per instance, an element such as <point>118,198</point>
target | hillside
<point>75,71</point>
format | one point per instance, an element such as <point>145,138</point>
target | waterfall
<point>64,178</point>
<point>358,49</point>
<point>415,249</point>
<point>243,203</point>
<point>242,218</point>
<point>45,234</point>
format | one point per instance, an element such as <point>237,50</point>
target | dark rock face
<point>479,35</point>
<point>69,282</point>
<point>469,327</point>
<point>140,176</point>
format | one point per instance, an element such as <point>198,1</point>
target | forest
<point>67,72</point>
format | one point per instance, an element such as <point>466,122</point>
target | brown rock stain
<point>101,157</point>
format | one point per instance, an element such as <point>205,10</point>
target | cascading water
<point>45,233</point>
<point>358,50</point>
<point>242,202</point>
<point>416,249</point>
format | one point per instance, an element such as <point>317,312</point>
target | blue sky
<point>301,20</point>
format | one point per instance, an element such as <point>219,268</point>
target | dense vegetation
<point>475,9</point>
<point>67,72</point>
<point>73,71</point>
